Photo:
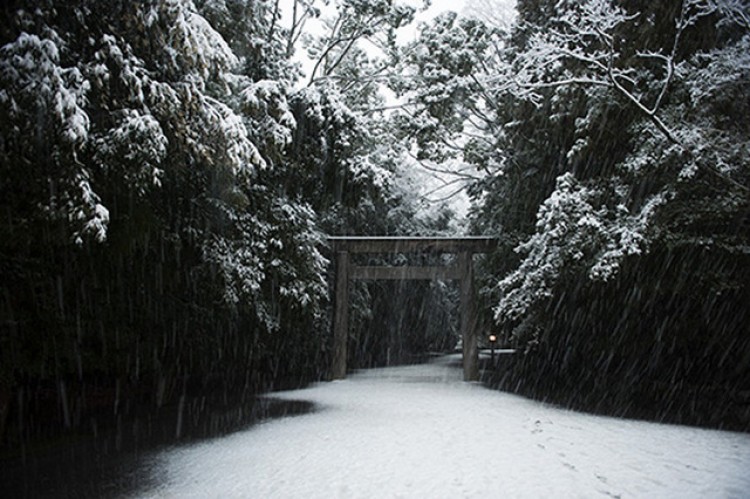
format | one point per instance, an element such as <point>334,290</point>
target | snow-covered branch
<point>581,51</point>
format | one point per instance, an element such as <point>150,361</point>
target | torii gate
<point>463,247</point>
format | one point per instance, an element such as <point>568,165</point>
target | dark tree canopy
<point>168,176</point>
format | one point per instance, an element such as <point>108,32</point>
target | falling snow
<point>170,174</point>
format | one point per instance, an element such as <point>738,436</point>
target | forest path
<point>419,431</point>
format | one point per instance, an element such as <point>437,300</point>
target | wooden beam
<point>405,272</point>
<point>363,244</point>
<point>341,316</point>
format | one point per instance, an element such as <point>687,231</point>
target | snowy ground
<point>419,431</point>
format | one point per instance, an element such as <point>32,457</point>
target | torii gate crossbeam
<point>463,247</point>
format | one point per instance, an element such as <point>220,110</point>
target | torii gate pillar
<point>462,271</point>
<point>468,318</point>
<point>341,315</point>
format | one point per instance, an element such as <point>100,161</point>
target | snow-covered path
<point>419,431</point>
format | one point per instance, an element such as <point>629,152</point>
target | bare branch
<point>444,171</point>
<point>403,105</point>
<point>447,184</point>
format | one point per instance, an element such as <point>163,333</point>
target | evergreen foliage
<point>165,194</point>
<point>167,178</point>
<point>614,172</point>
<point>625,191</point>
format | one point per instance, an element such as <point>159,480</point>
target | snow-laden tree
<point>574,226</point>
<point>142,235</point>
<point>441,83</point>
<point>43,118</point>
<point>273,262</point>
<point>356,22</point>
<point>343,140</point>
<point>447,114</point>
<point>110,107</point>
<point>686,167</point>
<point>349,158</point>
<point>621,198</point>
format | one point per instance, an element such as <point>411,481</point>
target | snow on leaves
<point>138,140</point>
<point>271,121</point>
<point>303,283</point>
<point>36,86</point>
<point>31,75</point>
<point>232,148</point>
<point>192,45</point>
<point>86,211</point>
<point>112,112</point>
<point>344,133</point>
<point>575,229</point>
<point>238,259</point>
<point>150,98</point>
<point>577,48</point>
<point>440,79</point>
<point>686,136</point>
<point>277,258</point>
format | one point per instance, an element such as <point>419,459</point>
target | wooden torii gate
<point>461,270</point>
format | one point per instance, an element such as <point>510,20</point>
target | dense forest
<point>622,192</point>
<point>168,174</point>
